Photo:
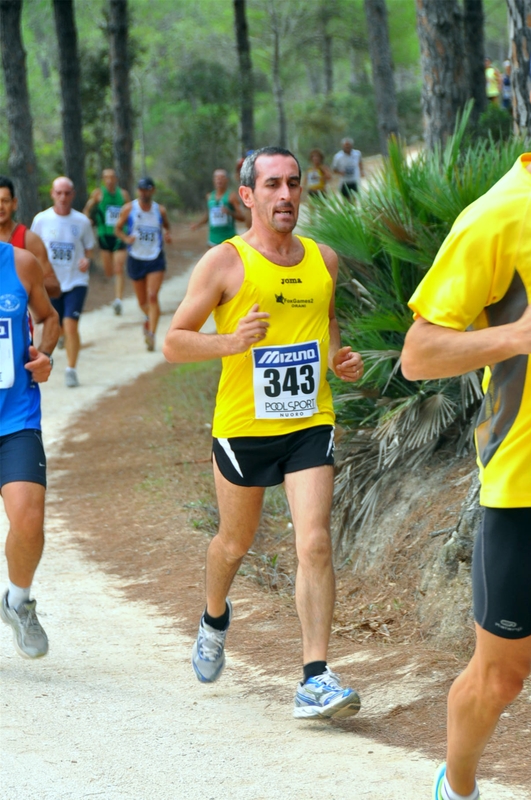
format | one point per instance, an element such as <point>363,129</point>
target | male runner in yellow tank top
<point>272,295</point>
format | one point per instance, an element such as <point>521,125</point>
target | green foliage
<point>496,123</point>
<point>387,242</point>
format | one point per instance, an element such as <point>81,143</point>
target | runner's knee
<point>314,548</point>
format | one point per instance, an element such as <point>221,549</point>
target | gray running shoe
<point>28,634</point>
<point>71,379</point>
<point>117,306</point>
<point>61,343</point>
<point>322,697</point>
<point>208,652</point>
<point>149,338</point>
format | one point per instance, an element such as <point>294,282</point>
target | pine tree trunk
<point>73,148</point>
<point>278,91</point>
<point>383,76</point>
<point>474,29</point>
<point>444,93</point>
<point>22,162</point>
<point>246,76</point>
<point>121,93</point>
<point>328,63</point>
<point>520,32</point>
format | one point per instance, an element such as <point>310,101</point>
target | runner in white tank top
<point>145,222</point>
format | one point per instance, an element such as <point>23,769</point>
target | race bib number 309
<point>286,380</point>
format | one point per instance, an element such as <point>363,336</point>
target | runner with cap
<point>144,227</point>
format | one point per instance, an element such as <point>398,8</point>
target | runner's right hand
<point>251,329</point>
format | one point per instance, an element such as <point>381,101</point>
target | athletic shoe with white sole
<point>28,634</point>
<point>322,697</point>
<point>438,784</point>
<point>71,379</point>
<point>117,306</point>
<point>208,652</point>
<point>149,339</point>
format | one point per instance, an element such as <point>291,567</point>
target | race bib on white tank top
<point>286,380</point>
<point>146,227</point>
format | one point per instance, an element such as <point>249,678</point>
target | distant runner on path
<point>22,459</point>
<point>19,235</point>
<point>223,208</point>
<point>272,296</point>
<point>145,222</point>
<point>348,164</point>
<point>104,206</point>
<point>67,234</point>
<point>472,311</point>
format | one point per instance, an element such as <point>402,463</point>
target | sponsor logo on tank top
<point>290,280</point>
<point>294,302</point>
<point>8,302</point>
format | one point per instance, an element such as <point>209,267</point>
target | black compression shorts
<point>264,460</point>
<point>501,573</point>
<point>22,458</point>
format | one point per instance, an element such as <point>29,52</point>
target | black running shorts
<point>22,458</point>
<point>264,460</point>
<point>348,188</point>
<point>111,243</point>
<point>501,573</point>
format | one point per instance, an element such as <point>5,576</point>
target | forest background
<point>185,84</point>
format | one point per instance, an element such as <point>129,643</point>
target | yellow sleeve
<point>472,270</point>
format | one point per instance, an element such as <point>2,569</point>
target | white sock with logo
<point>449,794</point>
<point>17,595</point>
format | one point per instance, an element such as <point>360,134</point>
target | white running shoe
<point>71,379</point>
<point>28,634</point>
<point>322,697</point>
<point>208,652</point>
<point>117,306</point>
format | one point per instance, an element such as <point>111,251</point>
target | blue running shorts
<point>22,458</point>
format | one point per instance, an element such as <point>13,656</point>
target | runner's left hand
<point>39,365</point>
<point>347,365</point>
<point>84,264</point>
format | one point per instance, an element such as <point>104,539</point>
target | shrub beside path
<point>114,710</point>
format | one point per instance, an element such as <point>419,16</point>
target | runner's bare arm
<point>84,263</point>
<point>30,274</point>
<point>94,198</point>
<point>237,212</point>
<point>216,278</point>
<point>36,246</point>
<point>343,361</point>
<point>433,351</point>
<point>122,219</point>
<point>165,224</point>
<point>126,196</point>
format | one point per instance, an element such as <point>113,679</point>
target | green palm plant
<point>387,241</point>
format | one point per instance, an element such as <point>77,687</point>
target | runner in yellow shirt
<point>272,295</point>
<point>472,311</point>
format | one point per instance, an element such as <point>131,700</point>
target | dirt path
<point>114,711</point>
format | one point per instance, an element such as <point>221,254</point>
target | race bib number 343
<point>286,380</point>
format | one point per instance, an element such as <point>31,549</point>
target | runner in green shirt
<point>103,208</point>
<point>223,208</point>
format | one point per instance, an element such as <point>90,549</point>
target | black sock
<point>313,669</point>
<point>218,623</point>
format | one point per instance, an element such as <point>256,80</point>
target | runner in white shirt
<point>347,163</point>
<point>68,237</point>
<point>145,222</point>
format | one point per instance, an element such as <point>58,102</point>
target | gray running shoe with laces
<point>323,697</point>
<point>28,634</point>
<point>208,652</point>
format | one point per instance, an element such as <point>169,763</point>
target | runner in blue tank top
<point>22,459</point>
<point>144,221</point>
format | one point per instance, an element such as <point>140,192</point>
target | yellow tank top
<point>315,179</point>
<point>279,385</point>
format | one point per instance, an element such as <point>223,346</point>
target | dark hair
<point>248,170</point>
<point>6,183</point>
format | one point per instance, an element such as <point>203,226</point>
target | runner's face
<point>347,147</point>
<point>8,205</point>
<point>220,181</point>
<point>277,192</point>
<point>63,196</point>
<point>145,195</point>
<point>109,180</point>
